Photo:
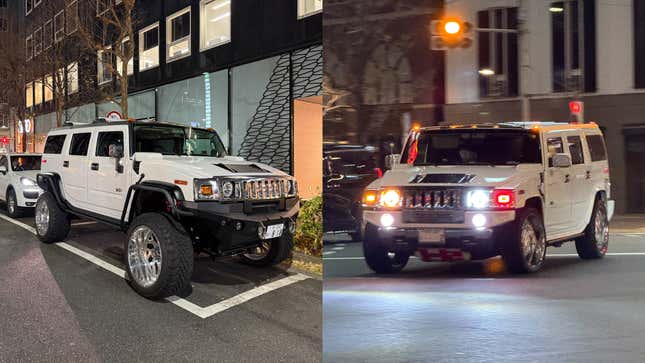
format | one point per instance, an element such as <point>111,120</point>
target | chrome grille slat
<point>264,189</point>
<point>433,198</point>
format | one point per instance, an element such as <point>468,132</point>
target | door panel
<point>108,187</point>
<point>580,184</point>
<point>558,202</point>
<point>74,170</point>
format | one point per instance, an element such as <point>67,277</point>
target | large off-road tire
<point>593,244</point>
<point>158,256</point>
<point>270,252</point>
<point>378,257</point>
<point>52,223</point>
<point>13,210</point>
<point>524,246</point>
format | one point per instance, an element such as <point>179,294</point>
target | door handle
<point>95,166</point>
<point>65,164</point>
<point>567,178</point>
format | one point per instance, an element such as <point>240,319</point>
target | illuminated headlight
<point>387,220</point>
<point>27,182</point>
<point>391,198</point>
<point>479,220</point>
<point>206,190</point>
<point>227,189</point>
<point>478,199</point>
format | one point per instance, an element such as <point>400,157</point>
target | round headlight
<point>478,199</point>
<point>391,198</point>
<point>227,189</point>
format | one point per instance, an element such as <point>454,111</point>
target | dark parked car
<point>347,170</point>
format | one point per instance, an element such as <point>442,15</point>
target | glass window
<point>49,88</point>
<point>71,13</point>
<point>3,24</point>
<point>177,140</point>
<point>149,47</point>
<point>215,20</point>
<point>38,92</point>
<point>29,47</point>
<point>106,139</point>
<point>29,95</point>
<point>54,144</point>
<point>38,41</point>
<point>104,73</point>
<point>497,53</point>
<point>183,102</point>
<point>119,62</point>
<point>4,162</point>
<point>80,143</point>
<point>178,35</point>
<point>72,78</point>
<point>59,26</point>
<point>48,34</point>
<point>596,147</point>
<point>25,163</point>
<point>3,3</point>
<point>554,146</point>
<point>575,149</point>
<point>309,7</point>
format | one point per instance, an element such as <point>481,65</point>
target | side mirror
<point>391,160</point>
<point>561,161</point>
<point>116,152</point>
<point>3,169</point>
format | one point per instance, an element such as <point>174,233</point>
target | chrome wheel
<point>601,230</point>
<point>259,252</point>
<point>144,256</point>
<point>42,218</point>
<point>533,246</point>
<point>11,203</point>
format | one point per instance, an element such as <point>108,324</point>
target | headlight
<point>370,198</point>
<point>292,188</point>
<point>478,199</point>
<point>206,190</point>
<point>227,189</point>
<point>27,182</point>
<point>391,198</point>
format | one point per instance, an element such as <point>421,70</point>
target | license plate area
<point>432,235</point>
<point>273,231</point>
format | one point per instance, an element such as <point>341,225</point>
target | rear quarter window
<point>54,144</point>
<point>596,147</point>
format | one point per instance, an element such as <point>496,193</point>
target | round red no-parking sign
<point>114,116</point>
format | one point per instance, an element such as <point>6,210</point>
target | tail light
<point>503,198</point>
<point>379,172</point>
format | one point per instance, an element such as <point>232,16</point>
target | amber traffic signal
<point>450,34</point>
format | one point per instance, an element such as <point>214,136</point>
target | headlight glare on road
<point>390,198</point>
<point>27,182</point>
<point>387,220</point>
<point>478,199</point>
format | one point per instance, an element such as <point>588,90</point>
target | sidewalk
<point>628,223</point>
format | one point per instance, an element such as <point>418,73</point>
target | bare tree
<point>13,75</point>
<point>111,32</point>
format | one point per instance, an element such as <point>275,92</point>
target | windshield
<point>25,163</point>
<point>473,147</point>
<point>177,140</point>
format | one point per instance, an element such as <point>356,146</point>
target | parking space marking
<point>202,312</point>
<point>548,255</point>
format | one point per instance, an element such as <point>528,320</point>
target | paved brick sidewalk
<point>628,223</point>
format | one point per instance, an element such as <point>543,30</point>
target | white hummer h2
<point>478,191</point>
<point>176,192</point>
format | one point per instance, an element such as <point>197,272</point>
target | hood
<point>458,175</point>
<point>207,167</point>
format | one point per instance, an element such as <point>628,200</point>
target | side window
<point>596,147</point>
<point>106,139</point>
<point>54,144</point>
<point>80,143</point>
<point>3,162</point>
<point>575,149</point>
<point>554,146</point>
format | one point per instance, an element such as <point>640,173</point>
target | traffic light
<point>450,34</point>
<point>577,109</point>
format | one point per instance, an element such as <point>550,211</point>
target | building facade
<point>241,67</point>
<point>586,50</point>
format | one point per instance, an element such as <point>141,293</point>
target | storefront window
<point>178,35</point>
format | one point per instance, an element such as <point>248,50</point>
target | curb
<point>305,259</point>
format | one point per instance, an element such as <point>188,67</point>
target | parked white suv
<point>477,191</point>
<point>18,188</point>
<point>174,189</point>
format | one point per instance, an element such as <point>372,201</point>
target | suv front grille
<point>432,198</point>
<point>265,189</point>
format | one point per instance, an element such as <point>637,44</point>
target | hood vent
<point>242,168</point>
<point>443,178</point>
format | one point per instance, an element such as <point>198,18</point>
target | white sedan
<point>18,187</point>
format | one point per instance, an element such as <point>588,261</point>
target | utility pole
<point>522,40</point>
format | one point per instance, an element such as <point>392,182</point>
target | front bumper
<point>493,219</point>
<point>28,197</point>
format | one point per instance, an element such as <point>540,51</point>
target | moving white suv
<point>174,189</point>
<point>18,188</point>
<point>474,192</point>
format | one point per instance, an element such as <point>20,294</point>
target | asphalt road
<point>56,305</point>
<point>571,311</point>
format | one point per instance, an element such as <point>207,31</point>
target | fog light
<point>292,226</point>
<point>479,220</point>
<point>239,225</point>
<point>387,220</point>
<point>223,222</point>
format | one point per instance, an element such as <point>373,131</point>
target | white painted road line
<point>548,255</point>
<point>328,253</point>
<point>202,312</point>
